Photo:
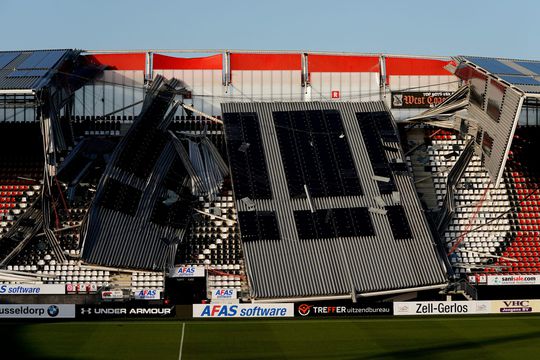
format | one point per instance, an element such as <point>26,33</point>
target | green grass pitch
<point>495,337</point>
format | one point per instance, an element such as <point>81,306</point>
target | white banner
<point>441,307</point>
<point>513,280</point>
<point>32,289</point>
<point>223,294</point>
<point>34,311</point>
<point>112,294</point>
<point>187,271</point>
<point>147,294</point>
<point>515,306</point>
<point>242,310</point>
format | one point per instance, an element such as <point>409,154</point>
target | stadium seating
<point>498,229</point>
<point>214,241</point>
<point>211,242</point>
<point>522,176</point>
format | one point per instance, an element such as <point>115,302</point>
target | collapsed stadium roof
<point>326,204</point>
<point>489,107</point>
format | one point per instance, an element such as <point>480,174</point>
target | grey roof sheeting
<point>291,267</point>
<point>29,70</point>
<point>128,224</point>
<point>494,107</point>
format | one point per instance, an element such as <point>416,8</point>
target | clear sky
<point>420,27</point>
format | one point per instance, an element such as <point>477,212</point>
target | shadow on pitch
<point>432,351</point>
<point>14,345</point>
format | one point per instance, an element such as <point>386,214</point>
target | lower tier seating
<point>497,228</point>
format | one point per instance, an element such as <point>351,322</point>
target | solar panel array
<point>524,74</point>
<point>247,156</point>
<point>333,223</point>
<point>42,59</point>
<point>315,153</point>
<point>314,185</point>
<point>6,58</point>
<point>28,69</point>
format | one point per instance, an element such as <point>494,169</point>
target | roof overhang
<point>350,296</point>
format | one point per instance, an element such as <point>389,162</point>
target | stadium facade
<point>266,176</point>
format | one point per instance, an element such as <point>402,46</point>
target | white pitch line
<point>181,341</point>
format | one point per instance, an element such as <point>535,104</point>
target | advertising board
<point>503,280</point>
<point>324,309</point>
<point>32,289</point>
<point>37,311</point>
<point>223,294</point>
<point>147,294</point>
<point>515,306</point>
<point>187,271</point>
<point>441,307</point>
<point>118,311</point>
<point>112,294</point>
<point>242,310</point>
<point>418,99</point>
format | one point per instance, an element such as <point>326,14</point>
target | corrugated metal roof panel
<point>291,267</point>
<point>125,227</point>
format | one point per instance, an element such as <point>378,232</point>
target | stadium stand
<point>119,177</point>
<point>481,221</point>
<point>496,227</point>
<point>521,253</point>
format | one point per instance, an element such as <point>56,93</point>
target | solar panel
<point>333,223</point>
<point>343,156</point>
<point>247,158</point>
<point>141,151</point>
<point>362,221</point>
<point>305,225</point>
<point>42,60</point>
<point>6,58</point>
<point>384,125</point>
<point>529,65</point>
<point>177,214</point>
<point>315,153</point>
<point>260,225</point>
<point>521,80</point>
<point>32,61</point>
<point>28,73</point>
<point>51,59</point>
<point>120,197</point>
<point>398,222</point>
<point>494,66</point>
<point>370,125</point>
<point>28,69</point>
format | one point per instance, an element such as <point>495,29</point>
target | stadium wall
<point>299,310</point>
<point>258,77</point>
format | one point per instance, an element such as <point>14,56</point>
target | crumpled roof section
<point>139,214</point>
